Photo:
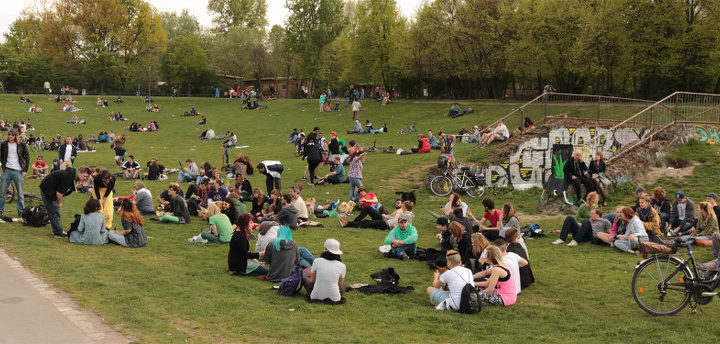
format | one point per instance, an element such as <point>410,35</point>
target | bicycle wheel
<point>659,285</point>
<point>441,185</point>
<point>473,190</point>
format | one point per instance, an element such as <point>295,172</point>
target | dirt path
<point>654,174</point>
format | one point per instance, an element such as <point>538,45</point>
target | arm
<point>437,283</point>
<point>492,281</point>
<point>213,229</point>
<point>59,198</point>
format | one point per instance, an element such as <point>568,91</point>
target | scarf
<point>330,256</point>
<point>644,214</point>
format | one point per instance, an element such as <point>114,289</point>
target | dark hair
<point>287,198</point>
<point>84,169</point>
<point>174,188</point>
<point>500,242</point>
<point>91,206</point>
<point>408,205</point>
<point>511,235</point>
<point>188,160</point>
<point>598,211</point>
<point>243,224</point>
<point>488,203</point>
<point>457,212</point>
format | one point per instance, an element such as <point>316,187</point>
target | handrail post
<point>652,113</point>
<point>676,108</point>
<point>598,109</point>
<point>545,99</point>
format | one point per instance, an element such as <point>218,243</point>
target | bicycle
<point>458,179</point>
<point>664,284</point>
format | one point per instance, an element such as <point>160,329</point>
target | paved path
<point>32,312</point>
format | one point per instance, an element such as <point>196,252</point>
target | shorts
<point>438,295</point>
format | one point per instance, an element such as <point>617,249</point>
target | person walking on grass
<point>15,158</point>
<point>54,187</point>
<point>356,109</point>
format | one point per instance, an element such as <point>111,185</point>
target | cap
<point>361,188</point>
<point>405,217</point>
<point>640,189</point>
<point>679,194</point>
<point>712,195</point>
<point>333,246</point>
<point>443,221</point>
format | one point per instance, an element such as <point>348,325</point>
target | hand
<point>595,175</point>
<point>691,229</point>
<point>436,274</point>
<point>59,204</point>
<point>573,177</point>
<point>631,237</point>
<point>24,174</point>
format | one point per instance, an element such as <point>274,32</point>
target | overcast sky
<point>276,12</point>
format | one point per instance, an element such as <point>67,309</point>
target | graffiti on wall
<point>707,134</point>
<point>530,164</point>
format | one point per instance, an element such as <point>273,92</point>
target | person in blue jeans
<point>56,186</point>
<point>682,215</point>
<point>15,158</point>
<point>402,239</point>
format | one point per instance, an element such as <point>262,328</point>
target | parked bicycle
<point>460,179</point>
<point>664,284</point>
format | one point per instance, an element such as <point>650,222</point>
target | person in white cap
<point>327,275</point>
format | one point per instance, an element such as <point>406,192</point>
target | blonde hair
<point>212,209</point>
<point>495,256</point>
<point>479,243</point>
<point>592,196</point>
<point>707,207</point>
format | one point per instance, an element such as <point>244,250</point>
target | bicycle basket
<point>658,245</point>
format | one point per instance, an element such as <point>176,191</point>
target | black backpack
<point>36,216</point>
<point>469,299</point>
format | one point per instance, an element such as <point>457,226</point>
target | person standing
<point>56,186</point>
<point>321,101</point>
<point>67,153</point>
<point>355,176</point>
<point>15,159</point>
<point>272,169</point>
<point>46,87</point>
<point>356,109</point>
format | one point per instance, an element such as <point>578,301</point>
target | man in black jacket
<point>56,186</point>
<point>67,153</point>
<point>14,157</point>
<point>576,174</point>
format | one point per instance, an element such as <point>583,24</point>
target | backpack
<point>36,216</point>
<point>291,286</point>
<point>469,299</point>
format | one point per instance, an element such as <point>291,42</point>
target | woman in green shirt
<point>579,226</point>
<point>220,228</point>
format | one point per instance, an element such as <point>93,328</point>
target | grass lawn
<point>172,291</point>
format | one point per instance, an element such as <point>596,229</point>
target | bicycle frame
<point>693,281</point>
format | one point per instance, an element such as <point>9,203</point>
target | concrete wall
<point>530,164</point>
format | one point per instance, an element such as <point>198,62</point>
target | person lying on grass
<point>219,230</point>
<point>133,233</point>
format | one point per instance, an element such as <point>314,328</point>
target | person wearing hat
<point>327,274</point>
<point>682,215</point>
<point>712,199</point>
<point>402,239</point>
<point>15,157</point>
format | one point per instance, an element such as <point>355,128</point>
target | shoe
<point>5,218</point>
<point>262,277</point>
<point>386,254</point>
<point>573,243</point>
<point>154,219</point>
<point>405,257</point>
<point>612,244</point>
<point>558,242</point>
<point>304,178</point>
<point>61,235</point>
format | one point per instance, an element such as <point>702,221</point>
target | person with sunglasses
<point>14,157</point>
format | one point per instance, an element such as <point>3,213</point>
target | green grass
<point>172,291</point>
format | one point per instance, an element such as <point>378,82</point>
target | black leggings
<point>312,165</point>
<point>377,221</point>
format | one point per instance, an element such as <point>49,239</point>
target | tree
<point>183,24</point>
<point>282,59</point>
<point>185,62</point>
<point>238,13</point>
<point>311,28</point>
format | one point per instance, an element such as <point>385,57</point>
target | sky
<point>276,12</point>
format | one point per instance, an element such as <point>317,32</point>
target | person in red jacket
<point>423,145</point>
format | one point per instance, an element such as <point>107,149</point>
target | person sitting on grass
<point>219,227</point>
<point>179,210</point>
<point>337,175</point>
<point>526,275</point>
<point>379,221</point>
<point>682,215</point>
<point>402,239</point>
<point>661,204</point>
<point>579,226</point>
<point>368,199</point>
<point>131,168</point>
<point>40,168</point>
<point>155,170</point>
<point>287,216</point>
<point>634,232</point>
<point>500,134</point>
<point>242,262</point>
<point>189,172</point>
<point>499,287</point>
<point>327,274</point>
<point>298,202</point>
<point>463,242</point>
<point>357,128</point>
<point>617,227</point>
<point>91,228</point>
<point>649,216</point>
<point>453,279</point>
<point>576,175</point>
<point>490,223</point>
<point>133,233</point>
<point>454,201</point>
<point>707,223</point>
<point>528,126</point>
<point>283,255</point>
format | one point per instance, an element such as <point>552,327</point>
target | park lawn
<point>173,291</point>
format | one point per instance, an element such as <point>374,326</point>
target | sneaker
<point>405,257</point>
<point>304,178</point>
<point>612,244</point>
<point>386,254</point>
<point>61,235</point>
<point>558,242</point>
<point>5,218</point>
<point>572,243</point>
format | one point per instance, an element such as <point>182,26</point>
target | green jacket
<point>409,235</point>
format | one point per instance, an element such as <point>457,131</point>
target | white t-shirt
<point>299,204</point>
<point>463,206</point>
<point>13,160</point>
<point>327,273</point>
<point>68,153</point>
<point>455,279</point>
<point>512,260</point>
<point>356,105</point>
<point>503,130</point>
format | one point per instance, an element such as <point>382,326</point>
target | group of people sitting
<point>152,108</point>
<point>358,128</point>
<point>137,127</point>
<point>116,117</point>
